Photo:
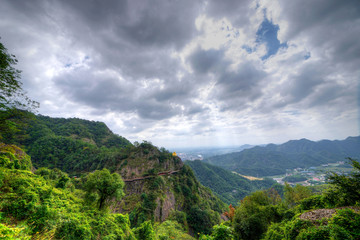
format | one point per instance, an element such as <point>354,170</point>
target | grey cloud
<point>132,38</point>
<point>136,41</point>
<point>305,15</point>
<point>234,89</point>
<point>237,11</point>
<point>142,23</point>
<point>301,85</point>
<point>331,26</point>
<point>246,77</point>
<point>238,89</point>
<point>203,61</point>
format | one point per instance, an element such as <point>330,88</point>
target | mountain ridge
<point>274,159</point>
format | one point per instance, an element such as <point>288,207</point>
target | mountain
<point>194,153</point>
<point>230,187</point>
<point>274,159</point>
<point>158,186</point>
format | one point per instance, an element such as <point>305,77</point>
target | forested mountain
<point>157,184</point>
<point>72,145</point>
<point>230,187</point>
<point>275,159</point>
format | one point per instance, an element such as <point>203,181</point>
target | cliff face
<point>157,185</point>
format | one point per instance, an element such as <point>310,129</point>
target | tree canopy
<point>12,96</point>
<point>101,186</point>
<point>11,93</point>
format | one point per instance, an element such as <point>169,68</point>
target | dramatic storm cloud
<point>193,73</point>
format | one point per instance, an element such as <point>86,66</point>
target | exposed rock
<point>319,214</point>
<point>164,206</point>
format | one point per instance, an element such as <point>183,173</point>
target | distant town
<point>311,176</point>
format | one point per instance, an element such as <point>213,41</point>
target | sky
<point>192,73</point>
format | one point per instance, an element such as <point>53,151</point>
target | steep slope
<point>230,187</point>
<point>275,159</point>
<point>157,184</point>
<point>72,145</point>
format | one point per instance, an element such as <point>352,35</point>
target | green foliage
<point>102,186</point>
<point>179,217</point>
<point>49,212</point>
<point>345,224</point>
<point>201,221</point>
<point>347,221</point>
<point>347,187</point>
<point>74,228</point>
<point>313,202</point>
<point>275,232</point>
<point>294,178</point>
<point>228,186</point>
<point>12,96</point>
<point>293,195</point>
<point>13,157</point>
<point>145,231</point>
<point>171,230</point>
<point>222,232</point>
<point>11,93</point>
<point>255,214</point>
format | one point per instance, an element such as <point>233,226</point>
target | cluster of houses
<point>313,175</point>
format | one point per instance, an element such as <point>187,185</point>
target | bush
<point>145,231</point>
<point>313,202</point>
<point>347,220</point>
<point>74,229</point>
<point>222,232</point>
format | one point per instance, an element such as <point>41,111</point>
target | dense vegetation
<point>177,197</point>
<point>333,213</point>
<point>294,178</point>
<point>230,187</point>
<point>48,204</point>
<point>275,159</point>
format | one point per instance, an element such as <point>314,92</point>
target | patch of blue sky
<point>268,34</point>
<point>248,48</point>
<point>307,55</point>
<point>292,112</point>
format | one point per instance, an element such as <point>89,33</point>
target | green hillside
<point>274,159</point>
<point>47,204</point>
<point>158,187</point>
<point>228,186</point>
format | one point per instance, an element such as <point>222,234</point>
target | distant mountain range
<point>274,159</point>
<point>192,153</point>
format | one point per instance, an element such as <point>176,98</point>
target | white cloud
<point>192,73</point>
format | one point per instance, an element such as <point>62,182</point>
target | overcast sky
<point>192,73</point>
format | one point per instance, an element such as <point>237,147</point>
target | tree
<point>293,195</point>
<point>348,185</point>
<point>222,232</point>
<point>12,96</point>
<point>255,214</point>
<point>11,93</point>
<point>231,212</point>
<point>145,231</point>
<point>102,186</point>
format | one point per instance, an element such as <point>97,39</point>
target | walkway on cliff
<point>159,174</point>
